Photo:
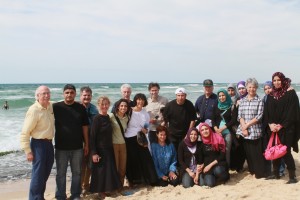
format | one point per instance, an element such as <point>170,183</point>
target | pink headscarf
<point>285,84</point>
<point>214,139</point>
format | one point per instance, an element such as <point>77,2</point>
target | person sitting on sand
<point>5,106</point>
<point>213,153</point>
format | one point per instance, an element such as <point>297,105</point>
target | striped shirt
<point>248,110</point>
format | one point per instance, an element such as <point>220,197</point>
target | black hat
<point>208,82</point>
<point>70,86</point>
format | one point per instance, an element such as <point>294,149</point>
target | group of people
<point>185,143</point>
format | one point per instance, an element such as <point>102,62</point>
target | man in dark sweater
<point>71,124</point>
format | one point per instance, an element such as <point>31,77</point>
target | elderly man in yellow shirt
<point>39,126</point>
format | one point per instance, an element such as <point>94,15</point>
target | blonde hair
<point>101,99</point>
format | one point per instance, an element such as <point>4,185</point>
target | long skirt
<point>104,177</point>
<point>140,167</point>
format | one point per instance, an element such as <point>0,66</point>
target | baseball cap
<point>70,86</point>
<point>208,82</point>
<point>180,90</point>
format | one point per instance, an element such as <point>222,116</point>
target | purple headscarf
<point>187,139</point>
<point>243,83</point>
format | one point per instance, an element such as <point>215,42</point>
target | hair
<point>69,87</point>
<point>125,85</point>
<point>103,98</point>
<point>160,129</point>
<point>140,96</point>
<point>252,81</point>
<point>118,103</point>
<point>38,90</point>
<point>153,84</point>
<point>86,88</point>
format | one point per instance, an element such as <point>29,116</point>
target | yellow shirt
<point>38,124</point>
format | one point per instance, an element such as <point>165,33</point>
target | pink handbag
<point>276,151</point>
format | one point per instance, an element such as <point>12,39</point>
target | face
<point>222,97</point>
<point>231,92</point>
<point>276,82</point>
<point>205,131</point>
<point>208,89</point>
<point>251,88</point>
<point>161,136</point>
<point>69,96</point>
<point>267,89</point>
<point>43,95</point>
<point>85,97</point>
<point>122,107</point>
<point>154,92</point>
<point>180,98</point>
<point>140,103</point>
<point>126,92</point>
<point>242,90</point>
<point>103,106</point>
<point>194,136</point>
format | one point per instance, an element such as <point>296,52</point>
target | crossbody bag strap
<point>119,122</point>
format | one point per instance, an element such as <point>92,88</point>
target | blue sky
<point>141,41</point>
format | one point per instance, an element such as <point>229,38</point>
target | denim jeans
<point>228,143</point>
<point>219,173</point>
<point>187,181</point>
<point>42,163</point>
<point>63,157</point>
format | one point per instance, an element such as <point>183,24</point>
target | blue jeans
<point>43,159</point>
<point>228,142</point>
<point>187,181</point>
<point>63,157</point>
<point>219,173</point>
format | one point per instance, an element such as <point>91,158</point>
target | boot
<point>274,176</point>
<point>292,177</point>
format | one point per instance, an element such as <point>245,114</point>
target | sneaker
<point>292,180</point>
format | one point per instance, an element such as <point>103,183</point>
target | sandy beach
<point>240,186</point>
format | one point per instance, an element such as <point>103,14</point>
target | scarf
<point>214,139</point>
<point>227,103</point>
<point>243,83</point>
<point>187,139</point>
<point>285,84</point>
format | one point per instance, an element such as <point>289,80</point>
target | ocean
<point>21,96</point>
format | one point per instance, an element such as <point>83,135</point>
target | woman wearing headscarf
<point>189,158</point>
<point>224,118</point>
<point>213,152</point>
<point>282,114</point>
<point>250,117</point>
<point>232,91</point>
<point>241,86</point>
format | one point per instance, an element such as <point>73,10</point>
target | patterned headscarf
<point>227,103</point>
<point>285,84</point>
<point>243,83</point>
<point>214,139</point>
<point>187,139</point>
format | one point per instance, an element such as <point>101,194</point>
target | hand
<point>196,180</point>
<point>144,130</point>
<point>29,157</point>
<point>200,168</point>
<point>165,178</point>
<point>273,127</point>
<point>172,175</point>
<point>86,150</point>
<point>96,158</point>
<point>245,133</point>
<point>278,127</point>
<point>192,174</point>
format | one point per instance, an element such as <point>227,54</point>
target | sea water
<point>21,96</point>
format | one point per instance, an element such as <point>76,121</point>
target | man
<point>92,111</point>
<point>179,115</point>
<point>155,104</point>
<point>5,106</point>
<point>125,93</point>
<point>39,126</point>
<point>206,103</point>
<point>71,124</point>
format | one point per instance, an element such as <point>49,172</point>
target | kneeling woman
<point>213,153</point>
<point>189,158</point>
<point>165,158</point>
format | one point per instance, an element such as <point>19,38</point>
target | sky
<point>110,41</point>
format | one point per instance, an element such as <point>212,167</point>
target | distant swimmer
<point>5,106</point>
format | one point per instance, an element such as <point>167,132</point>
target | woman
<point>241,86</point>
<point>250,116</point>
<point>165,158</point>
<point>224,118</point>
<point>213,153</point>
<point>119,120</point>
<point>140,167</point>
<point>104,176</point>
<point>282,115</point>
<point>189,158</point>
<point>231,89</point>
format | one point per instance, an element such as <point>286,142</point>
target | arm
<point>156,160</point>
<point>85,130</point>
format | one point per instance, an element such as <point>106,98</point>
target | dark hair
<point>69,86</point>
<point>165,129</point>
<point>140,96</point>
<point>86,88</point>
<point>117,104</point>
<point>152,84</point>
